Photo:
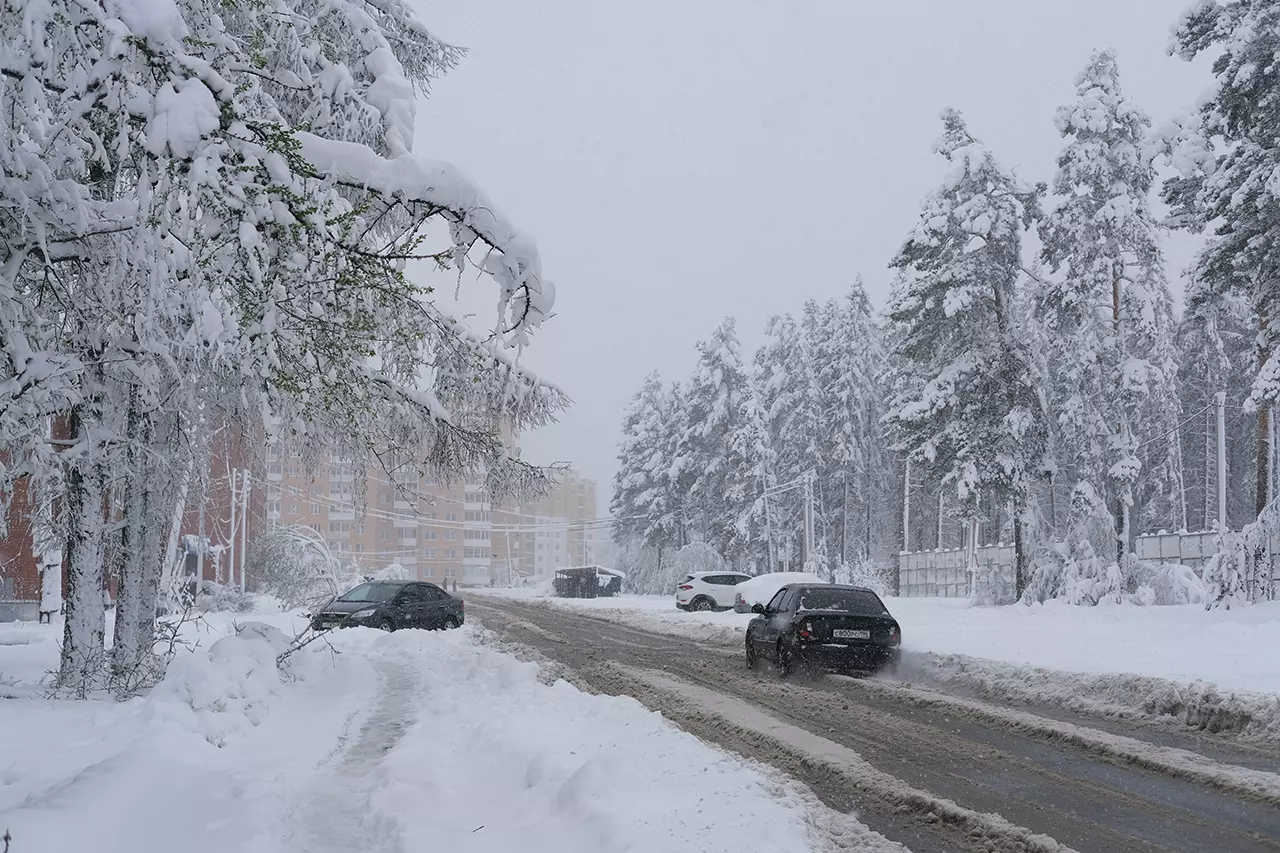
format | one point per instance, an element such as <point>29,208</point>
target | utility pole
<point>808,516</point>
<point>906,506</point>
<point>1221,397</point>
<point>244,529</point>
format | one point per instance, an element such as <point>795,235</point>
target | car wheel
<point>704,605</point>
<point>753,661</point>
<point>450,623</point>
<point>386,625</point>
<point>786,665</point>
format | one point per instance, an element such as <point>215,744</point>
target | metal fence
<point>945,574</point>
<point>1189,549</point>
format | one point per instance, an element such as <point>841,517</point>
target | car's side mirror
<point>758,608</point>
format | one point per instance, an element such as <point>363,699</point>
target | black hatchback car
<point>390,605</point>
<point>826,627</point>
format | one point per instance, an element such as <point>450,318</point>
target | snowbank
<point>500,761</point>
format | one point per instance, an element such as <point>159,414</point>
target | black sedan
<point>824,627</point>
<point>389,605</point>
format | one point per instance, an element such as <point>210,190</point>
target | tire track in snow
<point>336,814</point>
<point>988,831</point>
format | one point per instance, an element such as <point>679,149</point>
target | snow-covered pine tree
<point>1227,166</point>
<point>780,380</point>
<point>641,503</point>
<point>1215,354</point>
<point>720,491</point>
<point>821,416</point>
<point>1108,312</point>
<point>853,405</point>
<point>979,411</point>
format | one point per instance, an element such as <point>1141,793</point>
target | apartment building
<point>437,532</point>
<point>534,538</point>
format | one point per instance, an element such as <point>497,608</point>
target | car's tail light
<point>806,630</point>
<point>684,586</point>
<point>895,636</point>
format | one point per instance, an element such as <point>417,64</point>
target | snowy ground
<point>385,742</point>
<point>1212,668</point>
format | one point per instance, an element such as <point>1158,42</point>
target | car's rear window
<point>857,601</point>
<point>375,592</point>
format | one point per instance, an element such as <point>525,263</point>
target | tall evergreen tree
<point>979,408</point>
<point>711,446</point>
<point>1109,316</point>
<point>780,381</point>
<point>1233,186</point>
<point>641,503</point>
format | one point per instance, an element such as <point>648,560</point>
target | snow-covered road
<point>382,743</point>
<point>931,769</point>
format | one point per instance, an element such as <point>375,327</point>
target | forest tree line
<point>1051,399</point>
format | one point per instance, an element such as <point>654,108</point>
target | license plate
<point>850,634</point>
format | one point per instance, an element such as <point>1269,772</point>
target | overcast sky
<point>681,161</point>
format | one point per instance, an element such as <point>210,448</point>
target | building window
<point>451,554</point>
<point>430,534</point>
<point>429,553</point>
<point>451,535</point>
<point>359,547</point>
<point>384,534</point>
<point>450,516</point>
<point>293,509</point>
<point>314,509</point>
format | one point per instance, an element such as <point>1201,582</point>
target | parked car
<point>762,588</point>
<point>708,590</point>
<point>825,627</point>
<point>390,605</point>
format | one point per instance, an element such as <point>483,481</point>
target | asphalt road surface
<point>935,778</point>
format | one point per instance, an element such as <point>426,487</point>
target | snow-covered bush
<point>227,688</point>
<point>294,564</point>
<point>216,598</point>
<point>865,573</point>
<point>698,557</point>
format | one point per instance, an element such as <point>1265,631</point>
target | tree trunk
<point>1263,481</point>
<point>124,646</point>
<point>1019,558</point>
<point>1262,496</point>
<point>84,632</point>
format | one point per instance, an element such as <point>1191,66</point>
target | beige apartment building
<point>438,533</point>
<point>560,529</point>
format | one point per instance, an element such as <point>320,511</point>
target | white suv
<point>708,590</point>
